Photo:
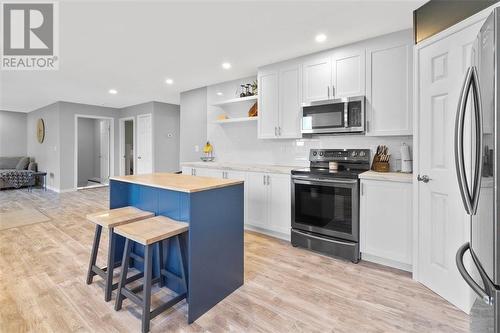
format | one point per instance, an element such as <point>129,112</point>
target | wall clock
<point>40,130</point>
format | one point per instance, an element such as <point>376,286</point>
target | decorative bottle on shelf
<point>242,90</point>
<point>248,92</point>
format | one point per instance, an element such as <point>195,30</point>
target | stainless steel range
<point>325,202</point>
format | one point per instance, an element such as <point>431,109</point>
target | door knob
<point>138,157</point>
<point>423,178</point>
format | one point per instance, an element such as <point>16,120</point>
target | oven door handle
<point>308,180</point>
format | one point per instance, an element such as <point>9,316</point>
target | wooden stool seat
<point>110,219</point>
<point>118,216</point>
<point>152,233</point>
<point>152,230</point>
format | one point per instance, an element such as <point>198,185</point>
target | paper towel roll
<point>406,160</point>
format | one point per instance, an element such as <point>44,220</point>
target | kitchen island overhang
<point>214,209</point>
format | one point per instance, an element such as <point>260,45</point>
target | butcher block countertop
<point>178,182</point>
<point>388,176</point>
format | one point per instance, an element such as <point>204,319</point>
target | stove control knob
<point>354,154</point>
<point>362,154</point>
<point>320,153</point>
<point>315,153</point>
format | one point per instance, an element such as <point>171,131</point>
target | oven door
<point>326,206</point>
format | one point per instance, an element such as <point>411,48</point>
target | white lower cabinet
<point>386,223</point>
<point>267,198</point>
<point>268,202</point>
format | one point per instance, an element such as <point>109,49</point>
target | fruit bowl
<point>207,158</point>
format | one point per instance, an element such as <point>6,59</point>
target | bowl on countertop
<point>207,158</point>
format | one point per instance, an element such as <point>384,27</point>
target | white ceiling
<point>134,46</point>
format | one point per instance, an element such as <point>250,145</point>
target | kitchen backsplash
<point>238,143</point>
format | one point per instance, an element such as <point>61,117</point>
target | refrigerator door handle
<point>478,114</point>
<point>485,293</point>
<point>459,142</point>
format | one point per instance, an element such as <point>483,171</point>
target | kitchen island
<point>214,209</point>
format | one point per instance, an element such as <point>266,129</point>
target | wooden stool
<point>149,232</point>
<point>110,219</point>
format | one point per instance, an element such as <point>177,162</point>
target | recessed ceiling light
<point>169,81</point>
<point>320,38</point>
<point>226,65</point>
<point>219,94</point>
<point>113,91</point>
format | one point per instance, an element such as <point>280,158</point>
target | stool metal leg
<point>111,265</point>
<point>93,256</point>
<point>148,272</point>
<point>123,274</point>
<point>162,262</point>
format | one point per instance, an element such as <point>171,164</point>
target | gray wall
<point>166,130</point>
<point>87,153</point>
<point>193,122</point>
<point>13,129</point>
<point>47,154</point>
<point>67,136</point>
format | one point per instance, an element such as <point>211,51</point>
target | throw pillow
<point>23,163</point>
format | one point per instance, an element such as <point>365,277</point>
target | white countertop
<point>285,169</point>
<point>388,176</point>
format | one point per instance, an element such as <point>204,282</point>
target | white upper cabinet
<point>389,87</point>
<point>280,101</point>
<point>290,110</point>
<point>348,73</point>
<point>317,83</point>
<point>268,104</point>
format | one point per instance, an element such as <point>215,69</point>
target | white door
<point>389,89</point>
<point>290,111</point>
<point>257,193</point>
<point>317,79</point>
<point>104,130</point>
<point>348,70</point>
<point>442,222</point>
<point>268,104</point>
<point>279,205</point>
<point>144,144</point>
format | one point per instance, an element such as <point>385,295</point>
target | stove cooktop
<point>327,173</point>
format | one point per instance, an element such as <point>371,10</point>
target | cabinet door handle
<point>264,180</point>
<point>275,131</point>
<point>333,91</point>
<point>279,130</point>
<point>328,91</point>
<point>268,181</point>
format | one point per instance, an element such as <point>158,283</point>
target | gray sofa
<point>17,163</point>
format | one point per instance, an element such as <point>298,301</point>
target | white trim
<point>111,160</point>
<point>54,189</point>
<point>386,262</point>
<point>267,232</point>
<point>121,142</point>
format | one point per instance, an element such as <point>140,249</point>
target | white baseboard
<point>387,262</point>
<point>58,190</point>
<point>267,232</point>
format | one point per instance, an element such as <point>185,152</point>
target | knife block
<point>380,166</point>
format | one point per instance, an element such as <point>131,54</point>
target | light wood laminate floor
<point>43,267</point>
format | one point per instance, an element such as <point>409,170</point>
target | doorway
<point>93,151</point>
<point>127,146</point>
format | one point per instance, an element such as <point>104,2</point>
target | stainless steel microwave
<point>344,115</point>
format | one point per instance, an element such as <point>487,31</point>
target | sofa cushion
<point>23,163</point>
<point>9,162</point>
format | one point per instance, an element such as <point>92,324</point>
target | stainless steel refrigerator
<point>477,164</point>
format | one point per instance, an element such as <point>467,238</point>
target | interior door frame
<point>121,141</point>
<point>111,159</point>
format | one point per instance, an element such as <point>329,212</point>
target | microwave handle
<point>346,114</point>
